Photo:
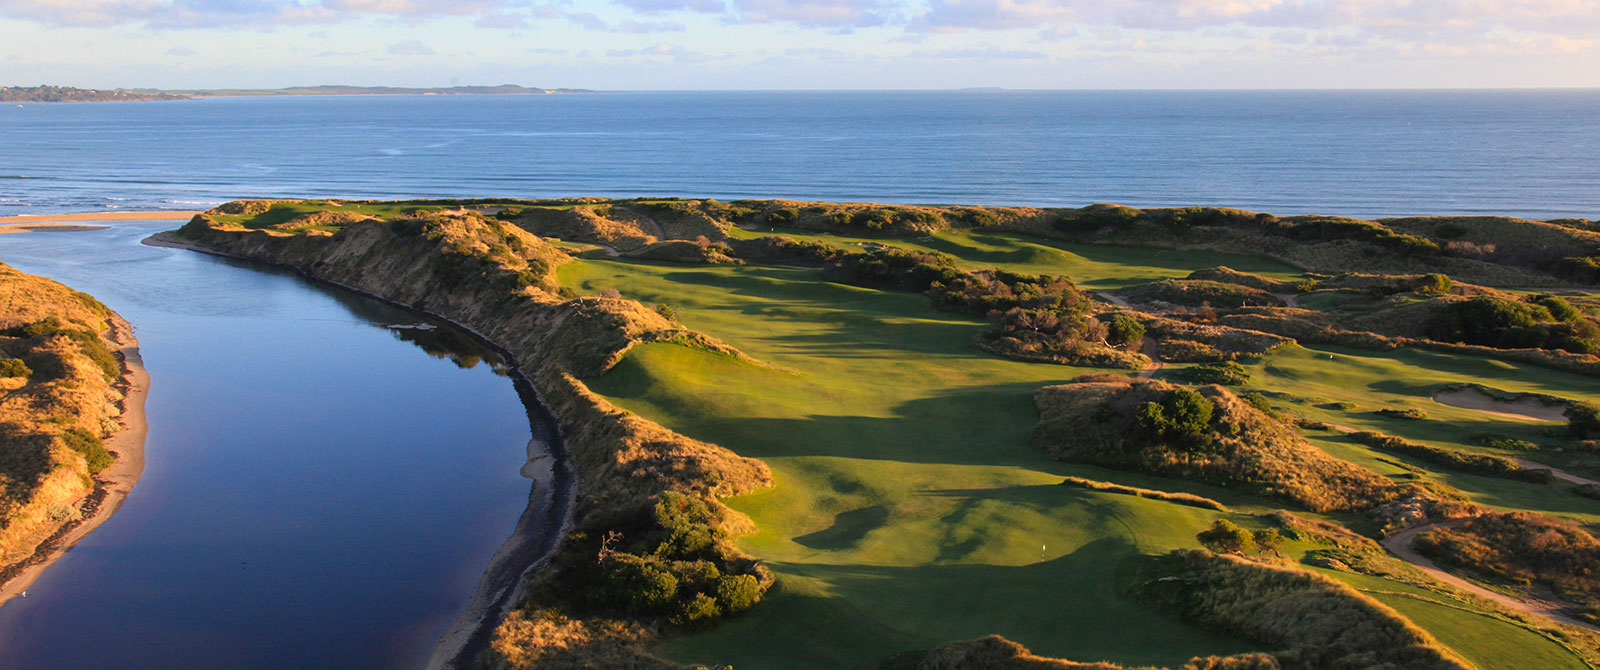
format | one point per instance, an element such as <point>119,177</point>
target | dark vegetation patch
<point>1199,292</point>
<point>679,566</point>
<point>997,653</point>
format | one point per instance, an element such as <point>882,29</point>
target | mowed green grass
<point>1316,379</point>
<point>1092,266</point>
<point>909,509</point>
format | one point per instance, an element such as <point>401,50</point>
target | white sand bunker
<point>1526,407</point>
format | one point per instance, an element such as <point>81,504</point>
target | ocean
<point>1530,153</point>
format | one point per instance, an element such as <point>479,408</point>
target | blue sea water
<point>1364,153</point>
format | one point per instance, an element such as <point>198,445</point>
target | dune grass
<point>909,510</point>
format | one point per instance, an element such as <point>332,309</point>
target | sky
<point>803,44</point>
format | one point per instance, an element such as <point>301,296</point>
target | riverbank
<point>112,485</point>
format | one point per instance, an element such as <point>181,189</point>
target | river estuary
<point>326,480</point>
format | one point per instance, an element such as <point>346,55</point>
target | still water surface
<point>319,493</point>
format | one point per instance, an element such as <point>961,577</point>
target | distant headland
<point>70,94</point>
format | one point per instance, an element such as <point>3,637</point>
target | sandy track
<point>1400,545</point>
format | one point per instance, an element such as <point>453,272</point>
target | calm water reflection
<point>318,494</point>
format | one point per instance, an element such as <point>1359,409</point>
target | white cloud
<point>410,48</point>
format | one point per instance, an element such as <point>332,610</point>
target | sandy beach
<point>113,484</point>
<point>160,215</point>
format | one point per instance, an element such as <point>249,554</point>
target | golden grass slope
<point>67,394</point>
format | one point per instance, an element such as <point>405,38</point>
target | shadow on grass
<point>848,528</point>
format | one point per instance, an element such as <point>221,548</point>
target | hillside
<point>63,387</point>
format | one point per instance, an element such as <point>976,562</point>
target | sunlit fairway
<point>1093,266</point>
<point>909,509</point>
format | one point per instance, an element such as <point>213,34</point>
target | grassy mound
<point>1199,292</point>
<point>1315,621</point>
<point>1208,435</point>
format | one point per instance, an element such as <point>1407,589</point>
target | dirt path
<point>1400,545</point>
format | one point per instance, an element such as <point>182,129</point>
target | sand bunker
<point>1529,408</point>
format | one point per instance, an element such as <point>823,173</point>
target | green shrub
<point>1226,537</point>
<point>639,585</point>
<point>737,593</point>
<point>891,268</point>
<point>88,444</point>
<point>1182,418</point>
<point>1508,324</point>
<point>686,525</point>
<point>1506,442</point>
<point>1227,373</point>
<point>1559,307</point>
<point>1583,420</point>
<point>1434,284</point>
<point>1123,329</point>
<point>1410,413</point>
<point>13,367</point>
<point>696,610</point>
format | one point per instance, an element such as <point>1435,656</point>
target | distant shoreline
<point>43,94</point>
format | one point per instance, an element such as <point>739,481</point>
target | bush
<point>1583,420</point>
<point>1508,324</point>
<point>1227,373</point>
<point>1506,442</point>
<point>1122,329</point>
<point>1434,284</point>
<point>1559,307</point>
<point>988,291</point>
<point>1410,413</point>
<point>1226,537</point>
<point>891,268</point>
<point>736,593</point>
<point>14,367</point>
<point>87,443</point>
<point>1182,418</point>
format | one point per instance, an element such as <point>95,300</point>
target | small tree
<point>1123,329</point>
<point>1583,419</point>
<point>1226,537</point>
<point>1269,540</point>
<point>1434,284</point>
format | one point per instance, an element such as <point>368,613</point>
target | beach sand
<point>99,216</point>
<point>114,483</point>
